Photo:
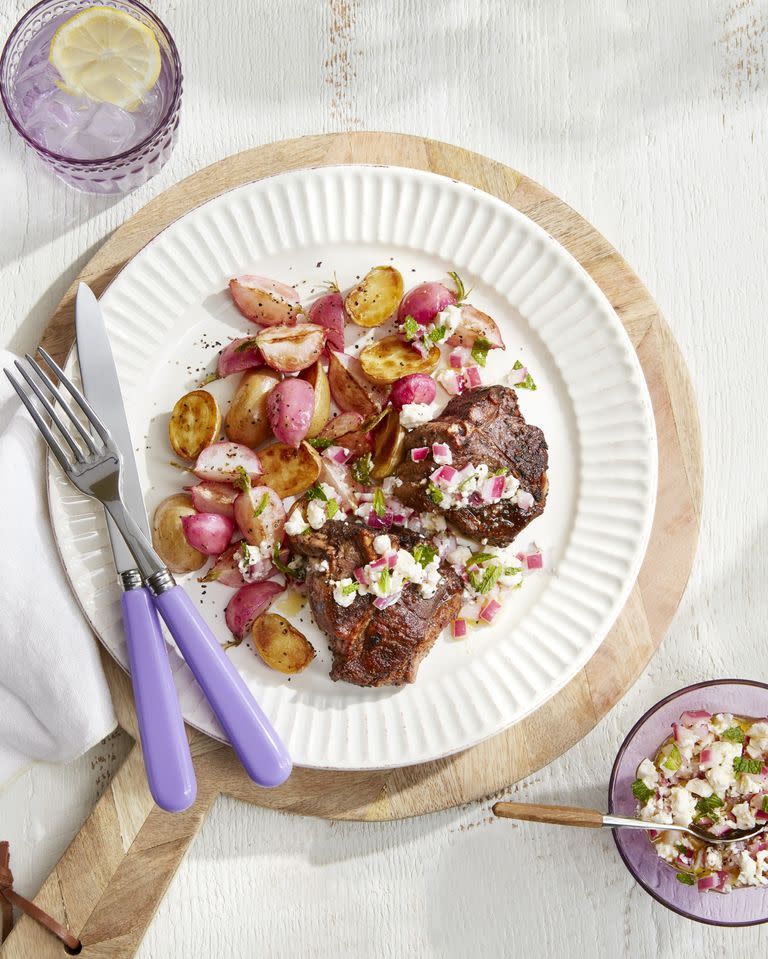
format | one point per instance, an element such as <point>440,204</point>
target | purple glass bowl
<point>124,171</point>
<point>742,907</point>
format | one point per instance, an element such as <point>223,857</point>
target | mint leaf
<point>673,760</point>
<point>316,492</point>
<point>437,334</point>
<point>410,327</point>
<point>332,508</point>
<point>641,792</point>
<point>480,349</point>
<point>483,582</point>
<point>242,480</point>
<point>263,503</point>
<point>687,878</point>
<point>361,469</point>
<point>320,442</point>
<point>707,805</point>
<point>765,804</point>
<point>423,553</point>
<point>479,558</point>
<point>349,588</point>
<point>735,734</point>
<point>435,493</point>
<point>379,504</point>
<point>743,765</point>
<point>384,580</point>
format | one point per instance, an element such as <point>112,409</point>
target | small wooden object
<point>110,880</point>
<point>557,815</point>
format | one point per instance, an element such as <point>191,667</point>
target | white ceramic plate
<point>168,312</point>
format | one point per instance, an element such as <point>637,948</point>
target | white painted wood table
<point>649,118</point>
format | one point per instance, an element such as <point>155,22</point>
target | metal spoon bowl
<point>594,819</point>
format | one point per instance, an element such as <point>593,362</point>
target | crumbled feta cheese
<point>433,522</point>
<point>416,414</point>
<point>713,859</point>
<point>450,318</point>
<point>343,592</point>
<point>389,484</point>
<point>321,566</point>
<point>648,773</point>
<point>382,544</point>
<point>247,556</point>
<point>747,870</point>
<point>745,817</point>
<point>758,740</point>
<point>720,774</point>
<point>652,812</point>
<point>459,556</point>
<point>720,722</point>
<point>699,787</point>
<point>666,851</point>
<point>296,525</point>
<point>316,514</point>
<point>683,806</point>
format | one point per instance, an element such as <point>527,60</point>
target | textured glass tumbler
<point>111,174</point>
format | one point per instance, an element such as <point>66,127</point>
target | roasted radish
<point>239,355</point>
<point>227,462</point>
<point>209,533</point>
<point>328,311</point>
<point>413,388</point>
<point>424,302</point>
<point>387,360</point>
<point>246,420</point>
<point>249,602</point>
<point>168,535</point>
<point>265,301</point>
<point>290,405</point>
<point>289,470</point>
<point>317,378</point>
<point>476,326</point>
<point>208,497</point>
<point>280,645</point>
<point>291,348</point>
<point>260,515</point>
<point>349,387</point>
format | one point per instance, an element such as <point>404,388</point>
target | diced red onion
<point>492,489</point>
<point>392,560</point>
<point>453,382</point>
<point>518,375</point>
<point>761,816</point>
<point>761,846</point>
<point>490,609</point>
<point>534,561</point>
<point>441,453</point>
<point>695,717</point>
<point>398,519</point>
<point>445,476</point>
<point>709,882</point>
<point>382,602</point>
<point>419,454</point>
<point>653,833</point>
<point>337,454</point>
<point>420,347</point>
<point>470,611</point>
<point>472,374</point>
<point>365,497</point>
<point>380,522</point>
<point>378,564</point>
<point>456,359</point>
<point>524,500</point>
<point>464,473</point>
<point>361,576</point>
<point>459,628</point>
<point>721,827</point>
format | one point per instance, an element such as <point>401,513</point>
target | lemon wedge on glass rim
<point>106,55</point>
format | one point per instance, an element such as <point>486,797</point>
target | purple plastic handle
<point>167,760</point>
<point>258,746</point>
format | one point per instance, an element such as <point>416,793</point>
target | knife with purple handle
<point>253,738</point>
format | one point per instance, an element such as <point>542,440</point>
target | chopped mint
<point>480,349</point>
<point>765,804</point>
<point>501,471</point>
<point>242,481</point>
<point>483,582</point>
<point>435,493</point>
<point>743,765</point>
<point>385,579</point>
<point>735,734</point>
<point>437,334</point>
<point>423,553</point>
<point>316,492</point>
<point>461,293</point>
<point>263,503</point>
<point>707,805</point>
<point>410,327</point>
<point>320,442</point>
<point>673,760</point>
<point>511,570</point>
<point>681,848</point>
<point>332,508</point>
<point>477,559</point>
<point>287,569</point>
<point>641,792</point>
<point>350,588</point>
<point>527,383</point>
<point>379,503</point>
<point>361,469</point>
<point>687,878</point>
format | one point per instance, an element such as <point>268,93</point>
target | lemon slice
<point>106,55</point>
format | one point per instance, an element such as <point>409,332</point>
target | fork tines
<point>57,449</point>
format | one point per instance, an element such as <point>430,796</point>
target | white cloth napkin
<point>54,699</point>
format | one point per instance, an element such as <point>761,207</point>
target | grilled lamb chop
<point>481,426</point>
<point>373,647</point>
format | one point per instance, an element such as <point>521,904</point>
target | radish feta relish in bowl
<point>711,770</point>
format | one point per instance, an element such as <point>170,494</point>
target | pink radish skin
<point>476,325</point>
<point>241,354</point>
<point>260,515</point>
<point>290,405</point>
<point>208,497</point>
<point>264,301</point>
<point>329,312</point>
<point>227,571</point>
<point>208,533</point>
<point>249,602</point>
<point>413,388</point>
<point>343,430</point>
<point>424,302</point>
<point>224,462</point>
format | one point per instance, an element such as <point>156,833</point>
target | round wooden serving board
<point>110,880</point>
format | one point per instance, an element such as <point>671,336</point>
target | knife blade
<point>102,387</point>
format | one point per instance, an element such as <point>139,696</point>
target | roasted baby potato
<point>390,358</point>
<point>246,420</point>
<point>194,424</point>
<point>289,470</point>
<point>388,446</point>
<point>168,535</point>
<point>280,645</point>
<point>349,387</point>
<point>376,296</point>
<point>317,378</point>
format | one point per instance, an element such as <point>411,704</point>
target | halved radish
<point>289,407</point>
<point>476,325</point>
<point>226,569</point>
<point>208,533</point>
<point>328,311</point>
<point>265,301</point>
<point>241,354</point>
<point>351,388</point>
<point>208,497</point>
<point>344,431</point>
<point>291,348</point>
<point>260,514</point>
<point>249,602</point>
<point>226,462</point>
<point>424,302</point>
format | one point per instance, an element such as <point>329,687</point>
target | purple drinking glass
<point>742,907</point>
<point>94,147</point>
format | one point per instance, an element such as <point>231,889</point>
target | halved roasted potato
<point>349,387</point>
<point>168,535</point>
<point>289,470</point>
<point>376,296</point>
<point>281,645</point>
<point>317,378</point>
<point>388,445</point>
<point>386,360</point>
<point>194,424</point>
<point>247,420</point>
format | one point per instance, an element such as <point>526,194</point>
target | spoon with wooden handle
<point>594,819</point>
